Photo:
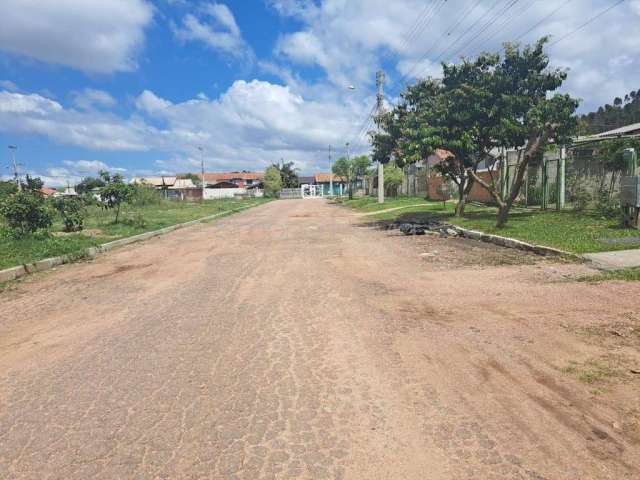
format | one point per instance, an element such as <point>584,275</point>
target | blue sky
<point>137,85</point>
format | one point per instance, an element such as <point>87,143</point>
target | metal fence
<point>290,193</point>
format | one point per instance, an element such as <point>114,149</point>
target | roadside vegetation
<point>624,275</point>
<point>573,231</point>
<point>481,105</point>
<point>33,227</point>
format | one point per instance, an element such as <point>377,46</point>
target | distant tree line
<point>623,111</point>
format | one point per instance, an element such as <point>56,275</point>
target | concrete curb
<point>14,273</point>
<point>513,243</point>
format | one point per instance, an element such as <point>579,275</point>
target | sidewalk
<point>615,260</point>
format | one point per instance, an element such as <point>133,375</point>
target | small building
<point>48,192</point>
<point>239,179</point>
<point>325,180</point>
<point>159,183</point>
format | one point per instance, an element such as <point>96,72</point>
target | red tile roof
<point>48,191</point>
<point>215,177</point>
<point>326,178</point>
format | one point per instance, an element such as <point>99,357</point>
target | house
<point>48,192</point>
<point>239,179</point>
<point>325,180</point>
<point>160,183</point>
<point>626,131</point>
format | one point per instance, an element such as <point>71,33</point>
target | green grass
<point>576,232</point>
<point>370,204</point>
<point>134,220</point>
<point>625,275</point>
<point>593,370</point>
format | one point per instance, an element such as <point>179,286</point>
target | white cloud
<point>35,114</point>
<point>249,126</point>
<point>351,40</point>
<point>91,98</point>
<point>94,36</point>
<point>149,102</point>
<point>216,27</point>
<point>8,85</point>
<point>34,104</point>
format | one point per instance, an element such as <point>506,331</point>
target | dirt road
<point>289,341</point>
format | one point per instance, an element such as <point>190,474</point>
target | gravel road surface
<point>291,341</point>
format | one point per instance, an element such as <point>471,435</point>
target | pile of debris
<point>424,228</point>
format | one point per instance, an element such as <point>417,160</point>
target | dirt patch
<point>89,232</point>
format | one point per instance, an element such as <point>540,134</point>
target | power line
<point>595,17</point>
<point>413,33</point>
<point>468,30</point>
<point>425,54</point>
<point>500,27</point>
<point>484,28</point>
<point>544,19</point>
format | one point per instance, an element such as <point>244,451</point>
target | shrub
<point>143,195</point>
<point>114,193</point>
<point>72,211</point>
<point>26,212</point>
<point>581,199</point>
<point>606,206</point>
<point>6,189</point>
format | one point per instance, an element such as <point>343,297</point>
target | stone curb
<point>513,243</point>
<point>48,263</point>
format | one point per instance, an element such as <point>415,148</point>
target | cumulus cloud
<point>91,98</point>
<point>8,85</point>
<point>409,38</point>
<point>35,114</point>
<point>216,27</point>
<point>250,125</point>
<point>98,36</point>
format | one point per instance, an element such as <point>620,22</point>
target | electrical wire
<point>592,19</point>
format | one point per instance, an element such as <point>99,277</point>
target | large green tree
<point>525,114</point>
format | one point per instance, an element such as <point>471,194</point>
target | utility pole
<point>350,186</point>
<point>202,167</point>
<point>13,149</point>
<point>380,106</point>
<point>330,174</point>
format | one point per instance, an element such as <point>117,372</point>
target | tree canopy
<point>493,101</point>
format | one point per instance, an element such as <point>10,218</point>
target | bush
<point>6,189</point>
<point>272,182</point>
<point>143,195</point>
<point>581,199</point>
<point>606,206</point>
<point>72,211</point>
<point>26,212</point>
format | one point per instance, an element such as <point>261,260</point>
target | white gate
<point>312,191</point>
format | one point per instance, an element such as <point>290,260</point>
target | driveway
<point>292,341</point>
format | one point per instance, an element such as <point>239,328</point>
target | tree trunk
<point>503,215</point>
<point>117,212</point>
<point>462,200</point>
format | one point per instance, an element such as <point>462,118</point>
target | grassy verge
<point>370,204</point>
<point>577,232</point>
<point>99,229</point>
<point>625,275</point>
